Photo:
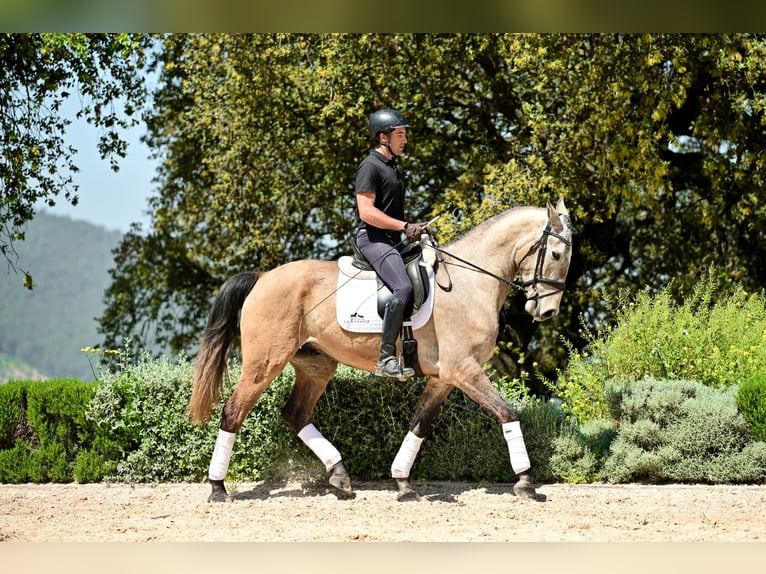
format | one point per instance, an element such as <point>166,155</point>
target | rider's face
<point>397,139</point>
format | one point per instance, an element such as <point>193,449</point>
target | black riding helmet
<point>385,121</point>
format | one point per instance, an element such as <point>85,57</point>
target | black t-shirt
<point>379,175</point>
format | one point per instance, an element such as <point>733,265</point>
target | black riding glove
<point>413,231</point>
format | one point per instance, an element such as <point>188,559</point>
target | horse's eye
<point>556,255</point>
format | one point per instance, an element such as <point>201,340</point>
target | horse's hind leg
<point>246,393</point>
<point>430,402</point>
<point>313,370</point>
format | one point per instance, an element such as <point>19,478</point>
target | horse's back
<point>296,285</point>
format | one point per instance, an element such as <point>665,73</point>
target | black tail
<point>221,328</point>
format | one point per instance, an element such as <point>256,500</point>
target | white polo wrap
<point>402,464</point>
<point>516,447</point>
<point>320,446</point>
<point>219,463</point>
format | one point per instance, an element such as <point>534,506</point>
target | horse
<point>287,315</point>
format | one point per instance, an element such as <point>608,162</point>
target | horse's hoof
<point>525,489</point>
<point>218,492</point>
<point>406,492</point>
<point>340,481</point>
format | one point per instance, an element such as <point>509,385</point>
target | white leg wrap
<point>402,464</point>
<point>516,447</point>
<point>219,463</point>
<point>320,446</point>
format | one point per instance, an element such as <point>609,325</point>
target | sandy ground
<point>446,512</point>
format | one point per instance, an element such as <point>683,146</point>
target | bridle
<point>541,245</point>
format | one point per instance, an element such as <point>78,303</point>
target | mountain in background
<point>43,331</point>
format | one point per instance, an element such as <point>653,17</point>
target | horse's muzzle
<point>535,308</point>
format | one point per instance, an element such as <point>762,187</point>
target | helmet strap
<point>387,145</point>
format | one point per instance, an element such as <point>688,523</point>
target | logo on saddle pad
<point>361,296</point>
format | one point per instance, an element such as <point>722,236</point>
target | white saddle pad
<point>356,300</point>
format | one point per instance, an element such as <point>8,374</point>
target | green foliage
<point>579,453</point>
<point>142,407</point>
<point>365,417</point>
<point>92,466</point>
<point>12,406</point>
<point>14,463</point>
<point>717,339</point>
<point>56,413</point>
<point>38,72</point>
<point>680,431</point>
<point>47,435</point>
<point>49,463</point>
<point>714,338</point>
<point>751,399</point>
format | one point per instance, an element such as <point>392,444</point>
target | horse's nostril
<point>548,314</point>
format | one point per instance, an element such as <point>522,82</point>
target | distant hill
<point>44,329</point>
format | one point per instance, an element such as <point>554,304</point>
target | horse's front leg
<point>434,395</point>
<point>475,383</point>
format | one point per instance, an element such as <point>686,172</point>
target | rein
<point>541,245</point>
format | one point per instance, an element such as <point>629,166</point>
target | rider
<point>380,190</point>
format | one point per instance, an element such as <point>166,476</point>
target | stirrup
<point>390,367</point>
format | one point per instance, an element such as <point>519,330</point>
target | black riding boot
<point>388,365</point>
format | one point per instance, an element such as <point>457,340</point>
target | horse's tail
<point>219,333</point>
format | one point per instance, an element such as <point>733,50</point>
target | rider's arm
<point>371,215</point>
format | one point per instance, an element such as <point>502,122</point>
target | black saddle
<point>412,255</point>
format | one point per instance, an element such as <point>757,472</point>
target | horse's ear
<point>561,208</point>
<point>553,216</point>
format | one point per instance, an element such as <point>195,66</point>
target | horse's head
<point>545,264</point>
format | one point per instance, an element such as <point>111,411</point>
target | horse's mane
<point>482,226</point>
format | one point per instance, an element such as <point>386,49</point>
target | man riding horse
<point>380,192</point>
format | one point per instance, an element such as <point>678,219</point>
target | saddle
<point>421,267</point>
<point>412,255</point>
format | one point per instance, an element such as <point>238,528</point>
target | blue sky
<point>112,200</point>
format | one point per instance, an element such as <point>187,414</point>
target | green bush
<point>43,429</point>
<point>92,466</point>
<point>579,453</point>
<point>49,463</point>
<point>679,431</point>
<point>142,407</point>
<point>367,417</point>
<point>711,338</point>
<point>751,399</point>
<point>56,413</point>
<point>12,407</point>
<point>14,463</point>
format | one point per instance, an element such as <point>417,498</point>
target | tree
<point>38,72</point>
<point>654,140</point>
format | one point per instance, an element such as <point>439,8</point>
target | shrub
<point>467,442</point>
<point>56,413</point>
<point>579,453</point>
<point>12,407</point>
<point>364,416</point>
<point>712,338</point>
<point>751,399</point>
<point>43,429</point>
<point>679,431</point>
<point>143,406</point>
<point>14,463</point>
<point>92,466</point>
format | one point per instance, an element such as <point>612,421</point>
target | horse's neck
<point>494,243</point>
